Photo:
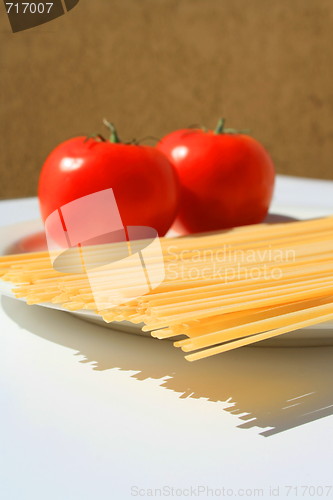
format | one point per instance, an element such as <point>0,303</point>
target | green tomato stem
<point>114,138</point>
<point>220,126</point>
<point>221,130</point>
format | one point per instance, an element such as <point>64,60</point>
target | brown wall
<point>155,65</point>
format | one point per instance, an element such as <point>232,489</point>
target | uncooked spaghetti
<point>221,291</point>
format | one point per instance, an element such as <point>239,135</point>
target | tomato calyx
<point>97,137</point>
<point>220,129</point>
<point>114,137</point>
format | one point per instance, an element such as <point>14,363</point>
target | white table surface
<point>88,413</point>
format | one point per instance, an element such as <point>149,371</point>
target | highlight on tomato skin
<point>227,178</point>
<point>144,182</point>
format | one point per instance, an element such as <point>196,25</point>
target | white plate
<point>11,238</point>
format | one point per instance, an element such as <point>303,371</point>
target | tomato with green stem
<point>144,182</point>
<point>227,178</point>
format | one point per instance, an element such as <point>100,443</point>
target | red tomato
<point>227,178</point>
<point>144,183</point>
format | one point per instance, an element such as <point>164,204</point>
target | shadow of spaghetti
<point>277,388</point>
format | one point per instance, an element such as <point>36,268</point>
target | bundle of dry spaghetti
<point>220,291</point>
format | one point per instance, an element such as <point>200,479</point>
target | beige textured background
<point>155,65</point>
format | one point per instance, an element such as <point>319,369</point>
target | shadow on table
<point>277,388</point>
